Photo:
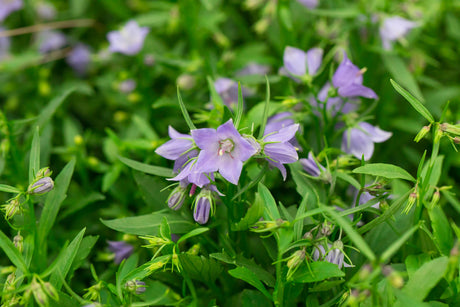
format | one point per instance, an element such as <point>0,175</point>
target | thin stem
<point>48,26</point>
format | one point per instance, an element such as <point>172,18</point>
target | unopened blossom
<point>51,40</point>
<point>41,186</point>
<point>9,6</point>
<point>129,40</point>
<point>311,4</point>
<point>79,58</point>
<point>253,69</point>
<point>135,286</point>
<point>121,249</point>
<point>334,254</point>
<point>5,44</point>
<point>127,86</point>
<point>394,28</point>
<point>348,80</point>
<point>299,63</point>
<point>311,166</point>
<point>179,148</point>
<point>359,141</point>
<point>223,150</point>
<point>45,10</point>
<point>177,196</point>
<point>203,206</point>
<point>228,91</point>
<point>279,150</point>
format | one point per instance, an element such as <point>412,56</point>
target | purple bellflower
<point>228,91</point>
<point>298,63</point>
<point>79,59</point>
<point>279,121</point>
<point>348,80</point>
<point>121,249</point>
<point>253,69</point>
<point>311,4</point>
<point>333,255</point>
<point>394,28</point>
<point>223,150</point>
<point>5,44</point>
<point>333,104</point>
<point>45,10</point>
<point>203,206</point>
<point>129,40</point>
<point>9,6</point>
<point>177,196</point>
<point>279,150</point>
<point>50,41</point>
<point>311,166</point>
<point>127,86</point>
<point>360,140</point>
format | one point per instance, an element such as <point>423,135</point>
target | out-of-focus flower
<point>394,28</point>
<point>278,149</point>
<point>333,104</point>
<point>79,58</point>
<point>45,10</point>
<point>228,91</point>
<point>311,166</point>
<point>9,6</point>
<point>360,140</point>
<point>127,86</point>
<point>298,63</point>
<point>186,81</point>
<point>311,4</point>
<point>41,186</point>
<point>121,249</point>
<point>348,80</point>
<point>253,69</point>
<point>51,40</point>
<point>129,40</point>
<point>5,44</point>
<point>222,150</point>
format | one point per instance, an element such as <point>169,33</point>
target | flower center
<point>225,146</point>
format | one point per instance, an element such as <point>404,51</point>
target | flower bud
<point>421,134</point>
<point>40,296</point>
<point>326,229</point>
<point>396,280</point>
<point>296,259</point>
<point>176,198</point>
<point>155,241</point>
<point>457,140</point>
<point>194,250</point>
<point>411,201</point>
<point>12,208</point>
<point>435,198</point>
<point>51,291</point>
<point>203,206</point>
<point>186,81</point>
<point>41,186</point>
<point>454,129</point>
<point>18,242</point>
<point>135,286</point>
<point>43,172</point>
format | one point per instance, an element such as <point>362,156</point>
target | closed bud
<point>177,197</point>
<point>449,128</point>
<point>40,296</point>
<point>365,272</point>
<point>186,81</point>
<point>135,286</point>
<point>396,281</point>
<point>411,201</point>
<point>308,235</point>
<point>421,134</point>
<point>43,172</point>
<point>194,250</point>
<point>155,241</point>
<point>296,259</point>
<point>203,206</point>
<point>18,242</point>
<point>435,198</point>
<point>41,186</point>
<point>326,229</point>
<point>12,208</point>
<point>457,140</point>
<point>51,291</point>
<point>438,135</point>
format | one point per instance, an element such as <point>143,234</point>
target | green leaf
<point>253,214</point>
<point>398,243</point>
<point>86,245</point>
<point>145,168</point>
<point>352,234</point>
<point>316,271</point>
<point>34,162</point>
<point>187,118</point>
<point>64,264</point>
<point>239,107</point>
<point>200,268</point>
<point>441,230</point>
<point>193,233</point>
<point>425,278</point>
<point>54,200</point>
<point>271,209</point>
<point>165,231</point>
<point>416,104</point>
<point>9,189</point>
<point>49,110</point>
<point>249,277</point>
<point>414,262</point>
<point>265,113</point>
<point>158,294</point>
<point>12,253</point>
<point>149,224</point>
<point>389,171</point>
<point>347,178</point>
<point>151,189</point>
<point>299,222</point>
<point>125,268</point>
<point>145,128</point>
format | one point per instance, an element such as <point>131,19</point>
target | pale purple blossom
<point>140,287</point>
<point>333,104</point>
<point>311,4</point>
<point>394,28</point>
<point>228,91</point>
<point>45,10</point>
<point>279,150</point>
<point>202,207</point>
<point>279,121</point>
<point>311,166</point>
<point>121,249</point>
<point>360,140</point>
<point>127,86</point>
<point>79,58</point>
<point>51,40</point>
<point>348,80</point>
<point>298,63</point>
<point>9,6</point>
<point>334,254</point>
<point>223,150</point>
<point>129,40</point>
<point>253,69</point>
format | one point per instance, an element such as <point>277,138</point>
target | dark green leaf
<point>249,277</point>
<point>193,233</point>
<point>253,214</point>
<point>441,230</point>
<point>271,209</point>
<point>200,268</point>
<point>416,104</point>
<point>187,118</point>
<point>318,271</point>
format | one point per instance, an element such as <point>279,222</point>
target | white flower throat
<point>225,146</point>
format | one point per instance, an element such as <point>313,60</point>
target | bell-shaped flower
<point>278,149</point>
<point>9,6</point>
<point>299,63</point>
<point>129,40</point>
<point>228,91</point>
<point>79,58</point>
<point>394,28</point>
<point>223,150</point>
<point>121,249</point>
<point>203,206</point>
<point>279,121</point>
<point>51,40</point>
<point>348,80</point>
<point>359,141</point>
<point>177,196</point>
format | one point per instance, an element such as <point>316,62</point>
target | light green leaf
<point>416,104</point>
<point>442,232</point>
<point>52,106</point>
<point>249,277</point>
<point>34,161</point>
<point>12,252</point>
<point>187,118</point>
<point>253,214</point>
<point>193,233</point>
<point>9,189</point>
<point>145,168</point>
<point>317,271</point>
<point>271,209</point>
<point>389,171</point>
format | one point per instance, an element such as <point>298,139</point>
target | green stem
<point>278,294</point>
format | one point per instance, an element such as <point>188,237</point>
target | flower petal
<point>359,144</point>
<point>283,135</point>
<point>206,139</point>
<point>231,170</point>
<point>354,90</point>
<point>376,134</point>
<point>347,73</point>
<point>295,61</point>
<point>281,152</point>
<point>314,60</point>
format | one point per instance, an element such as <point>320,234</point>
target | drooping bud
<point>18,242</point>
<point>435,198</point>
<point>51,291</point>
<point>12,208</point>
<point>296,259</point>
<point>421,134</point>
<point>194,250</point>
<point>326,229</point>
<point>39,294</point>
<point>177,197</point>
<point>41,186</point>
<point>411,201</point>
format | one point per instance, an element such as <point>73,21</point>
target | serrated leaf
<point>149,224</point>
<point>389,171</point>
<point>318,271</point>
<point>200,268</point>
<point>249,277</point>
<point>146,168</point>
<point>416,104</point>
